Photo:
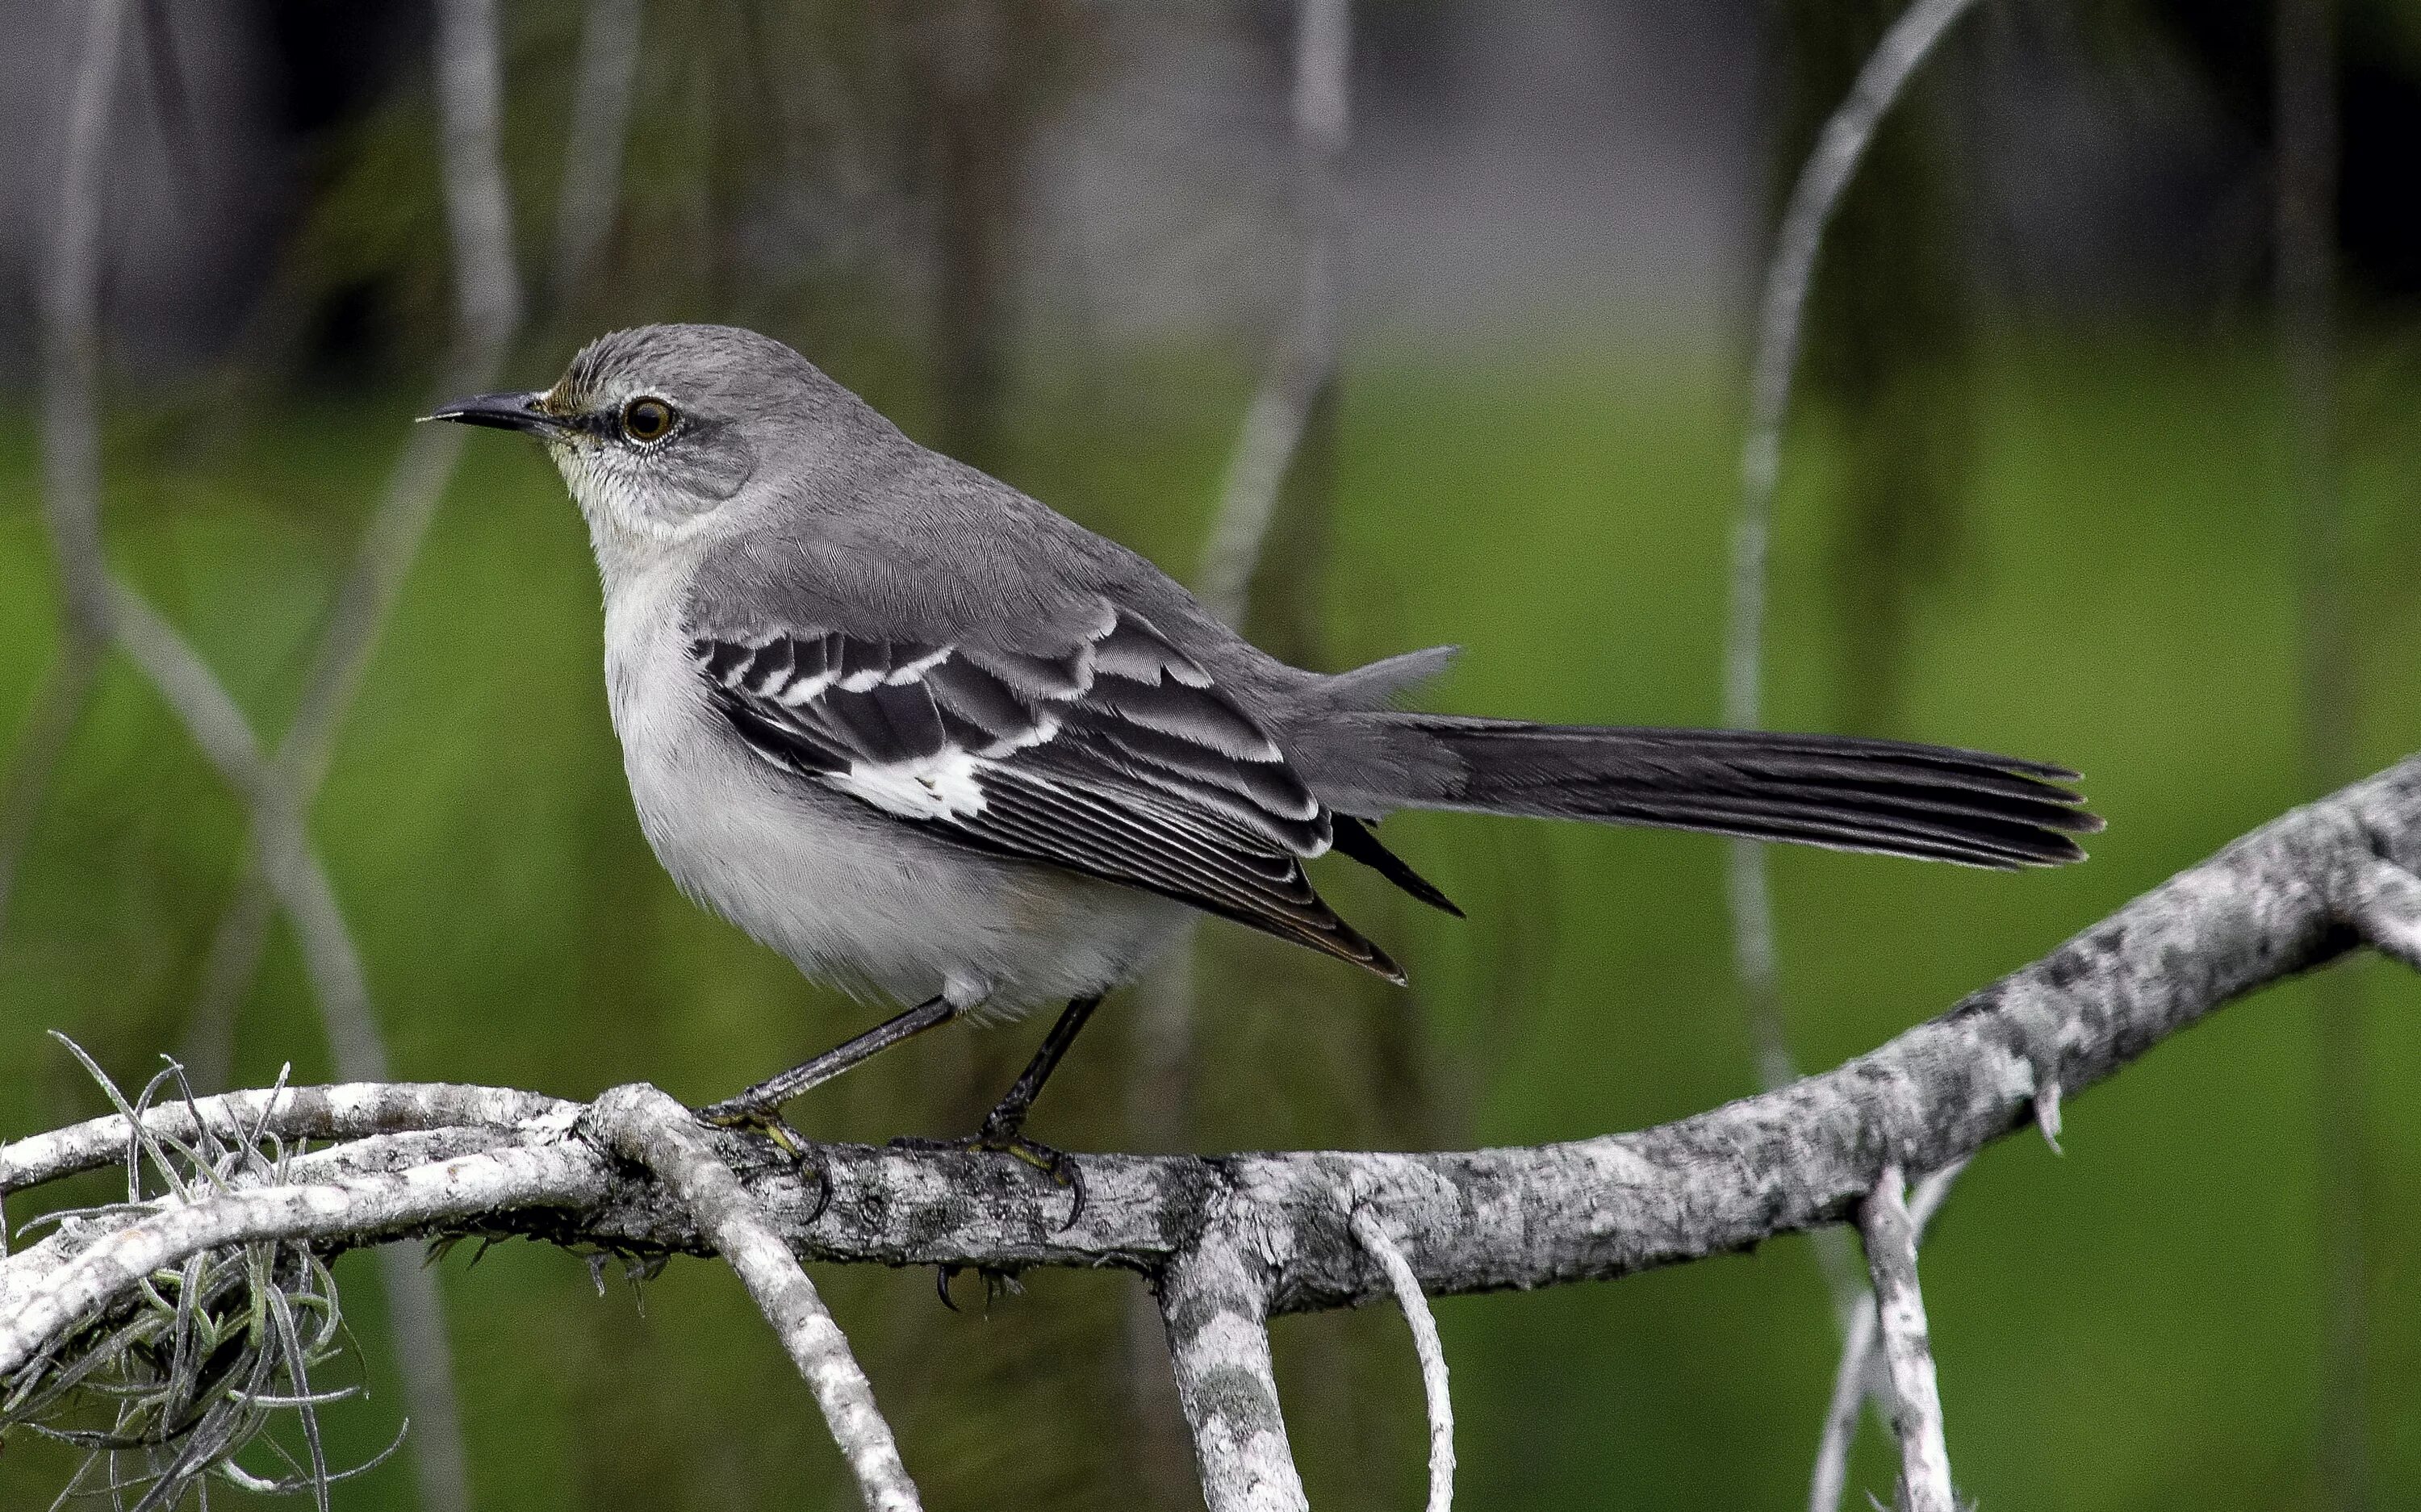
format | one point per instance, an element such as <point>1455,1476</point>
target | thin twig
<point>1781,322</point>
<point>1426,1345</point>
<point>1214,1302</point>
<point>1235,1240</point>
<point>1273,425</point>
<point>202,704</point>
<point>642,1124</point>
<point>1908,1351</point>
<point>1781,317</point>
<point>1855,1380</point>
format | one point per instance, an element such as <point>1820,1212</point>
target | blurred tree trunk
<point>1889,341</point>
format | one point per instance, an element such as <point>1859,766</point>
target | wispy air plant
<point>211,1359</point>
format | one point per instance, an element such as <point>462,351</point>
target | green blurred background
<point>2037,499</point>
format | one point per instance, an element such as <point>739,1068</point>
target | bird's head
<point>658,427</point>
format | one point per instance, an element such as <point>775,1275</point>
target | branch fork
<point>1231,1241</point>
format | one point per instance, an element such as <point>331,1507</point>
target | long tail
<point>1837,792</point>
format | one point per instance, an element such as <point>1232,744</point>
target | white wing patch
<point>941,786</point>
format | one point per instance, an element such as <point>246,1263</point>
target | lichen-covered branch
<point>642,1124</point>
<point>1435,1390</point>
<point>1890,1233</point>
<point>1233,1240</point>
<point>1215,1300</point>
<point>1854,1380</point>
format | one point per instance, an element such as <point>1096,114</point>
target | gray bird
<point>940,745</point>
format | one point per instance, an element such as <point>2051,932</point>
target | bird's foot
<point>1001,1138</point>
<point>768,1124</point>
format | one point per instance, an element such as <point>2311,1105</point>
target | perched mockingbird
<point>939,745</point>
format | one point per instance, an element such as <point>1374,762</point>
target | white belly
<point>850,896</point>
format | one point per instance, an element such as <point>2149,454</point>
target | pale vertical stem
<point>71,314</point>
<point>644,1125</point>
<point>1782,312</point>
<point>1890,1233</point>
<point>2304,205</point>
<point>1307,359</point>
<point>1215,1306</point>
<point>1781,318</point>
<point>1374,1238</point>
<point>1855,1380</point>
<point>606,81</point>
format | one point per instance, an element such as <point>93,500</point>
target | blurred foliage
<point>2128,1327</point>
<point>820,165</point>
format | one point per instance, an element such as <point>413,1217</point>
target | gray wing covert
<point>1101,748</point>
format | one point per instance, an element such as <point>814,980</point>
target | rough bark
<point>1232,1241</point>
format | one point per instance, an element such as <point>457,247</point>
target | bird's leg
<point>1004,1127</point>
<point>758,1108</point>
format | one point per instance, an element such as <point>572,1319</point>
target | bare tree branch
<point>1434,1385</point>
<point>1781,317</point>
<point>478,204</point>
<point>1781,322</point>
<point>1908,1349</point>
<point>1273,425</point>
<point>2269,906</point>
<point>48,1302</point>
<point>1233,1240</point>
<point>640,1123</point>
<point>1214,1300</point>
<point>1855,1380</point>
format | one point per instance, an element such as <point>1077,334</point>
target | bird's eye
<point>647,418</point>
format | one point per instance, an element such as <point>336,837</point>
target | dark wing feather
<point>1116,757</point>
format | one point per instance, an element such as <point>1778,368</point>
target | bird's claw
<point>769,1124</point>
<point>1057,1164</point>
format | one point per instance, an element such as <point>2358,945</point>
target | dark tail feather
<point>1837,792</point>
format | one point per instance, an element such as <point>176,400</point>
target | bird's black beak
<point>502,411</point>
